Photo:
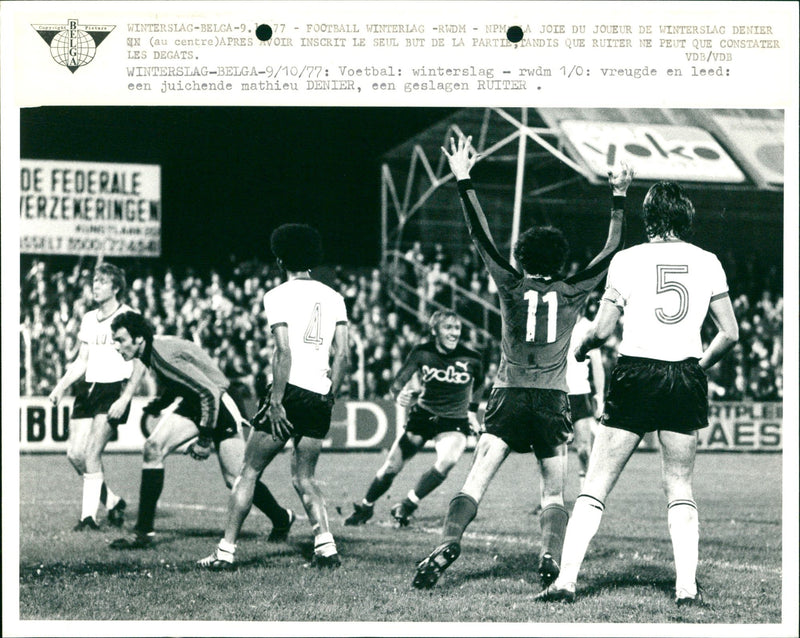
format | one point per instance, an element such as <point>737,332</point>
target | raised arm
<point>462,157</point>
<point>619,183</point>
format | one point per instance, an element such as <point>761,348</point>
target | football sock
<point>553,520</point>
<point>462,510</point>
<point>684,529</point>
<point>108,498</point>
<point>428,482</point>
<point>324,544</point>
<point>149,492</point>
<point>92,484</point>
<point>265,501</point>
<point>586,517</point>
<point>378,488</point>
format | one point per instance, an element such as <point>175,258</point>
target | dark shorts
<point>227,425</point>
<point>529,419</point>
<point>581,406</point>
<point>96,398</point>
<point>646,395</point>
<point>308,412</point>
<point>427,425</point>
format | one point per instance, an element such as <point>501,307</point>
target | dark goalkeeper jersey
<point>538,314</point>
<point>448,380</point>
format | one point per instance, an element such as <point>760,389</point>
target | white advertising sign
<point>90,208</point>
<point>658,151</point>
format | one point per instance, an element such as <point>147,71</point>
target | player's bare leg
<point>583,445</point>
<point>231,461</point>
<point>171,432</point>
<point>677,465</point>
<point>449,448</point>
<point>303,468</point>
<point>612,449</point>
<point>95,487</point>
<point>80,431</point>
<point>404,447</point>
<point>489,455</point>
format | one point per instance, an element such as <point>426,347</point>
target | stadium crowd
<point>221,309</point>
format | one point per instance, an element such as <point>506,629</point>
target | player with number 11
<point>528,409</point>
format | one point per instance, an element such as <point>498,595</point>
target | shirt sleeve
<point>719,282</point>
<point>617,280</point>
<point>83,331</point>
<point>407,370</point>
<point>185,373</point>
<point>500,270</point>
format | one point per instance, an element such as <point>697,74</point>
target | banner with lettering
<point>373,425</point>
<point>90,208</point>
<point>658,151</point>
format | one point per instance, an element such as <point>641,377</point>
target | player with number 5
<point>666,287</point>
<point>528,409</point>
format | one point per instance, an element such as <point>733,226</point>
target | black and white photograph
<point>409,368</point>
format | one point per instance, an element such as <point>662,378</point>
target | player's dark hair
<point>115,274</point>
<point>439,316</point>
<point>542,250</point>
<point>135,324</point>
<point>667,211</point>
<point>298,246</point>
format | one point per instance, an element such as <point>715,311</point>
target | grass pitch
<point>627,576</point>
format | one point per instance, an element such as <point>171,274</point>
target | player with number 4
<point>528,409</point>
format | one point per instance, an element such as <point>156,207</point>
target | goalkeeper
<point>206,418</point>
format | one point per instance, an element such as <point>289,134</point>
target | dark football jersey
<point>538,313</point>
<point>448,380</point>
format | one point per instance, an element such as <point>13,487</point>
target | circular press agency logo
<point>73,45</point>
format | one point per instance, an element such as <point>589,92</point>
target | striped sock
<point>324,544</point>
<point>684,530</point>
<point>582,527</point>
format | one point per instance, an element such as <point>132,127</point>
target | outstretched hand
<point>462,156</point>
<point>620,181</point>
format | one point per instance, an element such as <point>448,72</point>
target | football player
<point>206,417</point>
<point>104,400</point>
<point>309,324</point>
<point>528,409</point>
<point>442,407</point>
<point>666,287</point>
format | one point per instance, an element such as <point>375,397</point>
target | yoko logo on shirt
<point>448,375</point>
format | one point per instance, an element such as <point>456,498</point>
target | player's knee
<point>445,464</point>
<point>303,484</point>
<point>152,451</point>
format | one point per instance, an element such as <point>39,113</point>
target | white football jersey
<point>311,311</point>
<point>665,290</point>
<point>578,372</point>
<point>104,364</point>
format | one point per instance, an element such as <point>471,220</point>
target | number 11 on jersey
<point>551,301</point>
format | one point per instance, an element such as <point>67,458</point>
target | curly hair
<point>542,250</point>
<point>298,246</point>
<point>667,211</point>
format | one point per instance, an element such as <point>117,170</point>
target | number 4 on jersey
<point>312,334</point>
